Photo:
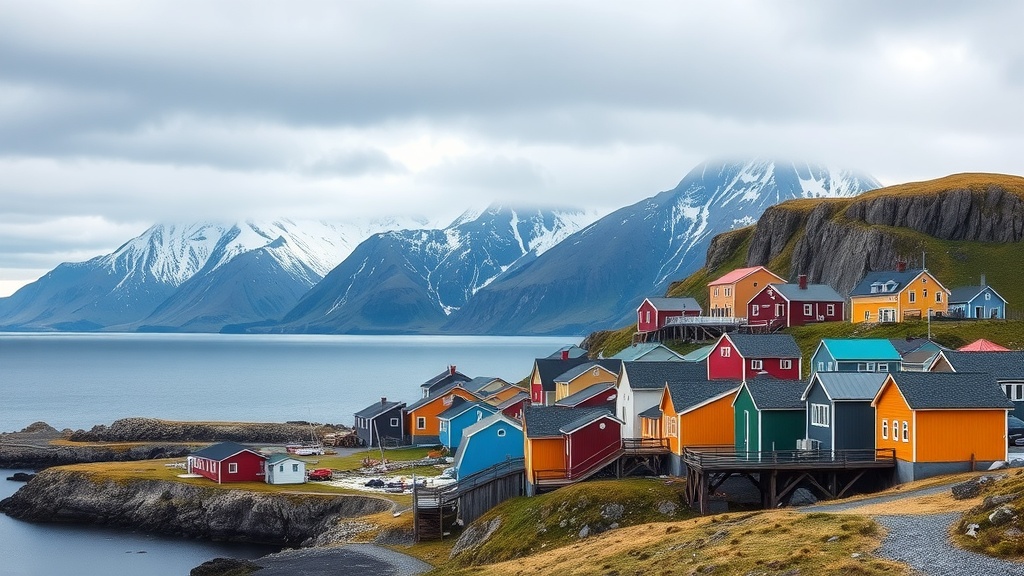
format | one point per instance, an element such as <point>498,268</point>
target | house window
<point>885,429</point>
<point>867,315</point>
<point>785,364</point>
<point>1014,392</point>
<point>819,415</point>
<point>808,309</point>
<point>913,297</point>
<point>421,422</point>
<point>924,293</point>
<point>443,425</point>
<point>821,366</point>
<point>726,352</point>
<point>394,422</point>
<point>233,468</point>
<point>938,296</point>
<point>829,366</point>
<point>295,467</point>
<point>988,296</point>
<point>755,284</point>
<point>895,430</point>
<point>905,435</point>
<point>670,427</point>
<point>830,309</point>
<point>501,432</point>
<point>756,364</point>
<point>882,367</point>
<point>866,367</point>
<point>281,468</point>
<point>716,291</point>
<point>648,316</point>
<point>753,310</point>
<point>780,310</point>
<point>728,291</point>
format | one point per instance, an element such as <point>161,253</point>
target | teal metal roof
<point>861,349</point>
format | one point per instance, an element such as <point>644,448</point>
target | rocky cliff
<point>179,509</point>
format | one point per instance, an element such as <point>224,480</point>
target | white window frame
<point>830,309</point>
<point>232,467</point>
<point>867,315</point>
<point>895,430</point>
<point>906,434</point>
<point>912,297</point>
<point>726,352</point>
<point>786,364</point>
<point>885,429</point>
<point>421,423</point>
<point>820,415</point>
<point>808,309</point>
<point>780,310</point>
<point>757,364</point>
<point>442,425</point>
<point>501,432</point>
<point>821,366</point>
<point>728,291</point>
<point>754,310</point>
<point>882,367</point>
<point>295,467</point>
<point>938,296</point>
<point>394,422</point>
<point>1014,391</point>
<point>716,290</point>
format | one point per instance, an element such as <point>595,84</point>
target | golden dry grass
<point>974,181</point>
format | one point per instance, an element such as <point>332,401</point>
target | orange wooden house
<point>696,413</point>
<point>585,376</point>
<point>567,445</point>
<point>728,295</point>
<point>940,423</point>
<point>421,418</point>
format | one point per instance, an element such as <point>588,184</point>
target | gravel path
<point>844,506</point>
<point>361,559</point>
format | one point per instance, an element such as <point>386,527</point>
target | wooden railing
<point>704,320</point>
<point>645,445</point>
<point>581,470</point>
<point>433,497</point>
<point>720,456</point>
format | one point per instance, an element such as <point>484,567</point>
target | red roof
<point>982,345</point>
<point>739,274</point>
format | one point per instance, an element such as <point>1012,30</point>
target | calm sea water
<point>79,380</point>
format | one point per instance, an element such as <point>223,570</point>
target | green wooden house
<point>769,414</point>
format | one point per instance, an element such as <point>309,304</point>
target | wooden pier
<point>777,473</point>
<point>692,329</point>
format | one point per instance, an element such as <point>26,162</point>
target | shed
<point>977,302</point>
<point>768,415</point>
<point>566,445</point>
<point>283,469</point>
<point>839,412</point>
<point>491,441</point>
<point>786,305</point>
<point>381,421</point>
<point>454,420</point>
<point>227,462</point>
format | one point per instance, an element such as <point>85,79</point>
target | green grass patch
<point>1004,540</point>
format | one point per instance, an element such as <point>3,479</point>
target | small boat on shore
<point>305,449</point>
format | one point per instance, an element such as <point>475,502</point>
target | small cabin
<point>381,423</point>
<point>489,442</point>
<point>768,415</point>
<point>564,445</point>
<point>586,375</point>
<point>977,302</point>
<point>454,420</point>
<point>283,469</point>
<point>513,406</point>
<point>654,312</point>
<point>729,294</point>
<point>227,462</point>
<point>786,305</point>
<point>545,370</point>
<point>696,414</point>
<point>743,356</point>
<point>855,355</point>
<point>839,412</point>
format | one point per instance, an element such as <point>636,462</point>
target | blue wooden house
<point>493,440</point>
<point>855,355</point>
<point>768,415</point>
<point>839,412</point>
<point>977,302</point>
<point>459,417</point>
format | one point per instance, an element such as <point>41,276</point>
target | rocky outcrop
<point>179,509</point>
<point>154,430</point>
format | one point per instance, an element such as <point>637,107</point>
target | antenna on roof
<point>923,267</point>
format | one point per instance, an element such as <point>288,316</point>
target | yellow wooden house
<point>728,295</point>
<point>897,296</point>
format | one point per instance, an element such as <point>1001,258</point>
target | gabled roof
<point>514,400</point>
<point>586,394</point>
<point>982,345</point>
<point>446,377</point>
<point>1001,365</point>
<point>654,375</point>
<point>813,292</point>
<point>739,274</point>
<point>224,450</point>
<point>635,352</point>
<point>674,304</point>
<point>476,384</point>
<point>489,421</point>
<point>962,294</point>
<point>764,345</point>
<point>573,350</point>
<point>909,344</point>
<point>436,395</point>
<point>886,279</point>
<point>276,458</point>
<point>652,413</point>
<point>773,394</point>
<point>548,421</point>
<point>378,408</point>
<point>462,407</point>
<point>847,386</point>
<point>550,368</point>
<point>612,365</point>
<point>948,390</point>
<point>689,395</point>
<point>868,349</point>
<point>586,419</point>
<point>700,354</point>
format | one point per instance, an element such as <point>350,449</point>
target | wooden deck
<point>436,509</point>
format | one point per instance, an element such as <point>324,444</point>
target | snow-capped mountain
<point>122,289</point>
<point>596,278</point>
<point>411,280</point>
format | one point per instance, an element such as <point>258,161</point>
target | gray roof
<point>378,408</point>
<point>585,394</point>
<point>612,365</point>
<point>688,395</point>
<point>573,350</point>
<point>773,394</point>
<point>675,304</point>
<point>550,368</point>
<point>222,451</point>
<point>849,386</point>
<point>634,352</point>
<point>700,354</point>
<point>519,396</point>
<point>460,407</point>
<point>446,377</point>
<point>765,345</point>
<point>654,413</point>
<point>654,375</point>
<point>962,294</point>
<point>479,382</point>
<point>909,344</point>
<point>435,395</point>
<point>955,390</point>
<point>547,421</point>
<point>901,279</point>
<point>1001,365</point>
<point>813,292</point>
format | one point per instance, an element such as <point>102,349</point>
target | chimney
<point>983,280</point>
<point>901,266</point>
<point>451,369</point>
<point>803,281</point>
<point>565,354</point>
<point>383,400</point>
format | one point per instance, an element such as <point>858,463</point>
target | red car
<point>321,474</point>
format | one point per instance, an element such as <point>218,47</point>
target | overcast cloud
<point>117,115</point>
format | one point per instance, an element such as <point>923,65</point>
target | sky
<point>118,115</point>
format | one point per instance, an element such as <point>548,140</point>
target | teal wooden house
<point>855,355</point>
<point>457,418</point>
<point>494,440</point>
<point>769,415</point>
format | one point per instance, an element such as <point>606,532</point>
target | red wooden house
<point>795,304</point>
<point>567,445</point>
<point>653,312</point>
<point>228,462</point>
<point>743,356</point>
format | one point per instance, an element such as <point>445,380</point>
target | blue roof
<point>812,293</point>
<point>674,304</point>
<point>223,450</point>
<point>884,282</point>
<point>637,351</point>
<point>874,349</point>
<point>963,294</point>
<point>848,386</point>
<point>459,408</point>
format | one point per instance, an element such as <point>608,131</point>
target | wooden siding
<point>780,429</point>
<point>725,367</point>
<point>891,406</point>
<point>955,435</point>
<point>854,424</point>
<point>740,293</point>
<point>745,417</point>
<point>820,433</point>
<point>596,375</point>
<point>544,454</point>
<point>430,410</point>
<point>589,443</point>
<point>901,301</point>
<point>486,448</point>
<point>709,424</point>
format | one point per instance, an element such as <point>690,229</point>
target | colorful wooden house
<point>567,352</point>
<point>513,407</point>
<point>381,422</point>
<point>585,376</point>
<point>454,420</point>
<point>916,354</point>
<point>941,423</point>
<point>641,385</point>
<point>485,386</point>
<point>566,445</point>
<point>227,462</point>
<point>284,469</point>
<point>977,302</point>
<point>855,355</point>
<point>697,415</point>
<point>898,295</point>
<point>839,412</point>
<point>728,295</point>
<point>653,312</point>
<point>795,305</point>
<point>768,415</point>
<point>1006,367</point>
<point>542,377</point>
<point>421,417</point>
<point>647,352</point>
<point>743,356</point>
<point>505,393</point>
<point>442,380</point>
<point>491,441</point>
<point>601,395</point>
